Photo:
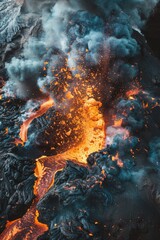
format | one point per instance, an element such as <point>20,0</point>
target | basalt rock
<point>102,202</point>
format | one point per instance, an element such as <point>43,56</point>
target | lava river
<point>93,130</point>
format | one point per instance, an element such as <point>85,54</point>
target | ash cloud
<point>132,114</point>
<point>97,35</point>
<point>155,152</point>
<point>24,75</point>
<point>84,33</point>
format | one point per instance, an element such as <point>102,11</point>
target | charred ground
<point>105,199</point>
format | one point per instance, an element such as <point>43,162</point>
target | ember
<point>79,122</point>
<point>43,109</point>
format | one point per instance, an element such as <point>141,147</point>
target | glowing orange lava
<point>43,109</point>
<point>116,158</point>
<point>131,93</point>
<point>91,126</point>
<point>93,132</point>
<point>28,227</point>
<point>118,123</point>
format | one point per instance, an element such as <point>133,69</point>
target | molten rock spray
<point>86,124</point>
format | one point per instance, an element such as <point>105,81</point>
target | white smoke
<point>83,33</point>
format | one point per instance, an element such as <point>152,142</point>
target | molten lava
<point>28,227</point>
<point>93,132</point>
<point>118,122</point>
<point>131,93</point>
<point>42,110</point>
<point>91,127</point>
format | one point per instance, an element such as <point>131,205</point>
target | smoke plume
<point>79,44</point>
<point>85,34</point>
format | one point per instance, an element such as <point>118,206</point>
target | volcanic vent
<point>79,121</point>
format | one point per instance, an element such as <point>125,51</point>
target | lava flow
<point>94,132</point>
<point>28,227</point>
<point>92,128</point>
<point>42,110</point>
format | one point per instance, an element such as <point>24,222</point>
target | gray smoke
<point>155,152</point>
<point>131,111</point>
<point>85,33</point>
<point>24,74</point>
<point>119,189</point>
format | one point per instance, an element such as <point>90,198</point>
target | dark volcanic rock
<point>16,187</point>
<point>72,208</point>
<point>102,202</point>
<point>20,19</point>
<point>16,173</point>
<point>152,31</point>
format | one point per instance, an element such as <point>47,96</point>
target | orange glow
<point>41,225</point>
<point>43,109</point>
<point>130,94</point>
<point>145,105</point>
<point>93,127</point>
<point>118,123</point>
<point>90,234</point>
<point>84,112</point>
<point>119,162</point>
<point>25,228</point>
<point>6,131</point>
<point>9,223</point>
<point>18,141</point>
<point>69,95</point>
<point>28,227</point>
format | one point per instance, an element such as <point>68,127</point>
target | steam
<point>83,33</point>
<point>89,40</point>
<point>85,37</point>
<point>155,152</point>
<point>24,74</point>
